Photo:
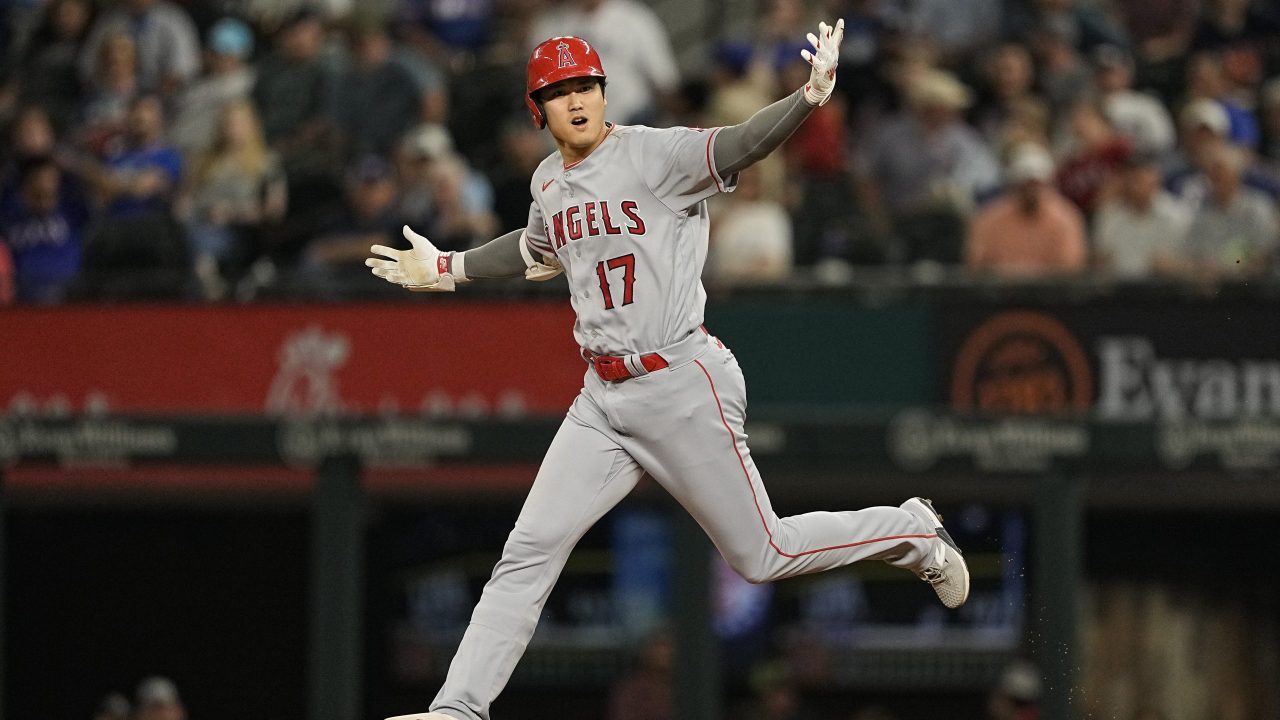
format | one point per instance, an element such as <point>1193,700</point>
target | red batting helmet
<point>559,58</point>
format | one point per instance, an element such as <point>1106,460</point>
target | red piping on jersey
<point>575,163</point>
<point>756,498</point>
<point>711,169</point>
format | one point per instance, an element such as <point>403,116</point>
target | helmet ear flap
<point>536,111</point>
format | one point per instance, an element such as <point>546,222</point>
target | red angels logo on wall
<point>566,58</point>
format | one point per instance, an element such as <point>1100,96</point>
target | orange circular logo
<point>1021,363</point>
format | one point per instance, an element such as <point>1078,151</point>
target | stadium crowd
<point>232,149</point>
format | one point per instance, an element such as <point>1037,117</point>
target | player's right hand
<point>423,268</point>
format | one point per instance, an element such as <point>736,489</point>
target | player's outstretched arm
<point>424,268</point>
<point>742,145</point>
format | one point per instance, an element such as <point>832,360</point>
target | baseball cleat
<point>420,716</point>
<point>948,574</point>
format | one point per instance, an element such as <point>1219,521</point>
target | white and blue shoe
<point>948,573</point>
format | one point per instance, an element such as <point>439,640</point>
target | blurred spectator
<point>158,700</point>
<point>112,89</point>
<point>1205,127</point>
<point>461,219</point>
<point>452,203</point>
<point>483,96</point>
<point>415,202</point>
<point>1010,76</point>
<point>1206,80</point>
<point>1140,232</point>
<point>137,250</point>
<point>1160,30</point>
<point>334,260</point>
<point>958,29</point>
<point>235,190</point>
<point>645,693</point>
<point>1017,693</point>
<point>1082,25</point>
<point>1065,77</point>
<point>1244,34</point>
<point>375,101</point>
<point>870,31</point>
<point>1203,124</point>
<point>1030,231</point>
<point>292,94</point>
<point>920,174</point>
<point>751,240</point>
<point>49,75</point>
<point>1234,233</point>
<point>1096,152</point>
<point>30,136</point>
<point>428,75</point>
<point>167,42</point>
<point>1138,116</point>
<point>141,173</point>
<point>525,147</point>
<point>292,91</point>
<point>228,77</point>
<point>113,707</point>
<point>447,31</point>
<point>633,46</point>
<point>42,225</point>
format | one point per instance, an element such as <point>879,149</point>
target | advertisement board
<point>451,359</point>
<point>1203,375</point>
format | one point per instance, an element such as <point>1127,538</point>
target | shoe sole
<point>955,558</point>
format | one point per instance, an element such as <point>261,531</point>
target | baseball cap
<point>230,36</point>
<point>1029,161</point>
<point>1206,113</point>
<point>157,690</point>
<point>938,88</point>
<point>430,141</point>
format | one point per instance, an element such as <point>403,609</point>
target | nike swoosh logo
<point>545,184</point>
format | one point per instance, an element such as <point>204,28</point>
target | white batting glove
<point>826,54</point>
<point>424,268</point>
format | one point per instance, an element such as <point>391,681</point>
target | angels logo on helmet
<point>566,57</point>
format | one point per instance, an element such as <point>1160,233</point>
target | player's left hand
<point>419,269</point>
<point>823,59</point>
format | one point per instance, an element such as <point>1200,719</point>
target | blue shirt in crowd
<point>46,249</point>
<point>163,157</point>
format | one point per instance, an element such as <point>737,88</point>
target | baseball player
<point>621,211</point>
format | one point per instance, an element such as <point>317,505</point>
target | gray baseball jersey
<point>629,223</point>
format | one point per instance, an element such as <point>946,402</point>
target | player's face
<point>575,112</point>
